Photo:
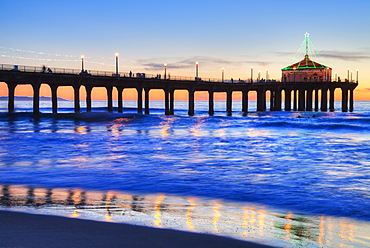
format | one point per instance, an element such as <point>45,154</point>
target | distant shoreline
<point>29,98</point>
<point>48,98</point>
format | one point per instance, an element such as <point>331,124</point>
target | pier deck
<point>305,96</point>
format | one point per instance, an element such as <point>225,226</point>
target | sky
<point>234,34</point>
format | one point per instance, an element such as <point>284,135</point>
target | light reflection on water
<point>242,221</point>
<point>317,166</point>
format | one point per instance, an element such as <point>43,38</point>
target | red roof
<point>306,63</point>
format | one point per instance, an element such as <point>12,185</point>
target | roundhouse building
<point>306,70</point>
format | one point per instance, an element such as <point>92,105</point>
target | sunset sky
<point>234,35</point>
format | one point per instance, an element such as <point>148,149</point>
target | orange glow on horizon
<point>100,94</point>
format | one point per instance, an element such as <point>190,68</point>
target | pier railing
<point>54,70</point>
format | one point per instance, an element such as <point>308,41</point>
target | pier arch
<point>237,97</point>
<point>180,95</point>
<point>252,101</point>
<point>199,97</point>
<point>3,89</point>
<point>154,95</point>
<point>66,92</point>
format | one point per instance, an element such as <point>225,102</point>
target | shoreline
<point>33,230</point>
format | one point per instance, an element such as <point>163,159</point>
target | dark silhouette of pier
<point>301,96</point>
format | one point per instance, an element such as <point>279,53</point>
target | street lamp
<point>165,70</point>
<point>327,75</point>
<point>251,74</point>
<point>196,70</point>
<point>259,75</point>
<point>351,76</point>
<point>348,74</point>
<point>82,60</point>
<point>223,74</point>
<point>294,73</point>
<point>267,75</point>
<point>357,76</point>
<point>116,54</point>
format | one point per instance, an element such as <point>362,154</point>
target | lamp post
<point>223,74</point>
<point>267,75</point>
<point>294,74</point>
<point>259,75</point>
<point>165,70</point>
<point>357,76</point>
<point>82,60</point>
<point>116,54</point>
<point>348,74</point>
<point>251,74</point>
<point>327,75</point>
<point>336,77</point>
<point>351,76</point>
<point>196,70</point>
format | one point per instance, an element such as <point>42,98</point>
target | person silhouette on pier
<point>43,69</point>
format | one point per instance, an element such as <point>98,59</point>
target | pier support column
<point>351,100</point>
<point>88,98</point>
<point>120,99</point>
<point>316,99</point>
<point>229,101</point>
<point>344,99</point>
<point>295,100</point>
<point>139,100</point>
<point>172,102</point>
<point>288,99</point>
<point>309,100</point>
<point>166,102</point>
<point>211,110</point>
<point>54,98</point>
<point>76,89</point>
<point>324,99</point>
<point>245,101</point>
<point>11,90</point>
<point>301,100</point>
<point>277,103</point>
<point>146,104</point>
<point>272,100</point>
<point>36,98</point>
<point>191,102</point>
<point>110,98</point>
<point>261,98</point>
<point>331,99</point>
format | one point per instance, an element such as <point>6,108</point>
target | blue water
<point>307,162</point>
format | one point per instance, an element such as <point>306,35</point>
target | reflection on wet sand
<point>252,222</point>
<point>188,214</point>
<point>158,201</point>
<point>216,216</point>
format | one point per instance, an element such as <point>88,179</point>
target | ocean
<point>286,179</point>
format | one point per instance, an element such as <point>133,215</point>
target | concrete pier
<point>302,94</point>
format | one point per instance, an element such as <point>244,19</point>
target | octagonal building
<point>306,70</point>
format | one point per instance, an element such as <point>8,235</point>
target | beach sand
<point>31,230</point>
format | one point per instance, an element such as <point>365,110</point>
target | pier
<point>297,95</point>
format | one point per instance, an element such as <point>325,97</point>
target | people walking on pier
<point>43,68</point>
<point>49,70</point>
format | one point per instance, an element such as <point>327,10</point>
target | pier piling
<point>303,92</point>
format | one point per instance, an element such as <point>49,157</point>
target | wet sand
<point>31,230</point>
